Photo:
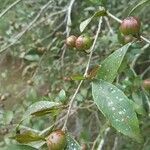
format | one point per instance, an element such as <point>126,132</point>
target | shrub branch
<point>9,7</point>
<point>85,74</point>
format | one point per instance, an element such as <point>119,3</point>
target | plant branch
<point>100,146</point>
<point>68,29</point>
<point>95,141</point>
<point>145,39</point>
<point>138,55</point>
<point>114,17</point>
<point>115,143</point>
<point>145,71</point>
<point>120,21</point>
<point>69,22</point>
<point>85,74</point>
<point>50,16</point>
<point>70,104</point>
<point>108,24</point>
<point>9,7</point>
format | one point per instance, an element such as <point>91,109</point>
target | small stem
<point>93,46</point>
<point>145,71</point>
<point>69,22</point>
<point>70,105</point>
<point>68,28</point>
<point>48,129</point>
<point>115,143</point>
<point>138,55</point>
<point>108,24</point>
<point>94,143</point>
<point>144,39</point>
<point>100,146</point>
<point>114,17</point>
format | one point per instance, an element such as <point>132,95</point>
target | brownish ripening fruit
<point>41,50</point>
<point>146,84</point>
<point>4,96</point>
<point>59,34</point>
<point>83,42</point>
<point>130,25</point>
<point>30,82</point>
<point>70,41</point>
<point>83,147</point>
<point>56,140</point>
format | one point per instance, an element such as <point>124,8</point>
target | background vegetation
<point>36,65</point>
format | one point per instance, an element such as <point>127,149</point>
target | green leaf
<point>117,108</point>
<point>72,144</point>
<point>139,109</point>
<point>62,95</point>
<point>78,77</point>
<point>85,23</point>
<point>139,6</point>
<point>101,12</point>
<point>40,108</point>
<point>138,102</point>
<point>19,147</point>
<point>34,57</point>
<point>109,67</point>
<point>8,116</point>
<point>27,137</point>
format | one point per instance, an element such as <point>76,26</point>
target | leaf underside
<point>117,108</point>
<point>72,144</point>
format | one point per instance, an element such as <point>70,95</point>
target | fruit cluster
<point>129,28</point>
<point>82,42</point>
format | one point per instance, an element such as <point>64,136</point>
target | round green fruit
<point>56,140</point>
<point>130,25</point>
<point>83,42</point>
<point>70,41</point>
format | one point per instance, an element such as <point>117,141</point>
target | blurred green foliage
<point>35,69</point>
